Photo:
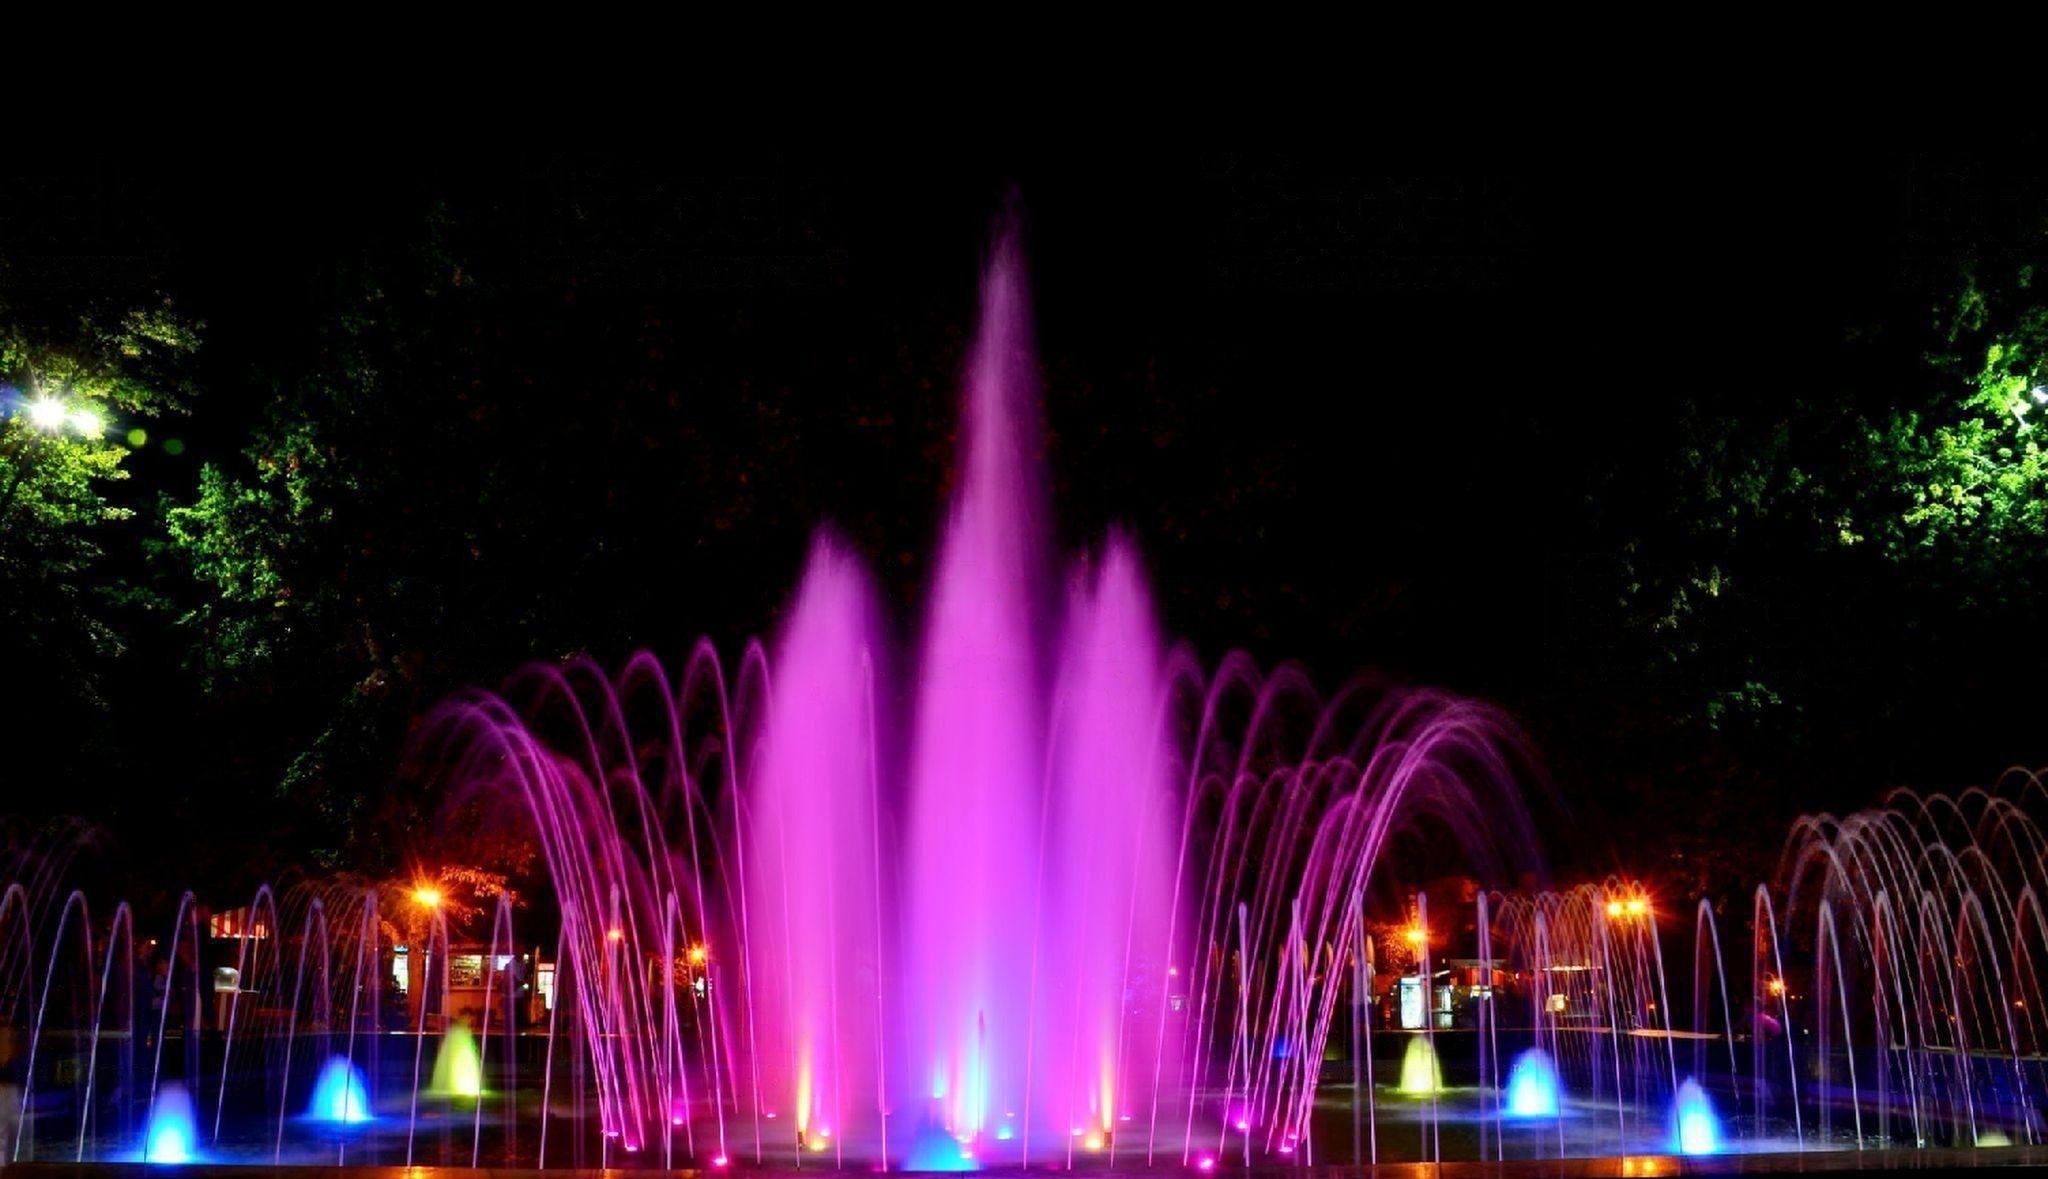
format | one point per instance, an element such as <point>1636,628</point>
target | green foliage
<point>111,371</point>
<point>311,576</point>
<point>1738,548</point>
<point>241,539</point>
<point>1964,480</point>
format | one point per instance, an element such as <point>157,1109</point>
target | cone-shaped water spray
<point>170,1137</point>
<point>1695,1128</point>
<point>338,1094</point>
<point>457,1071</point>
<point>1420,1073</point>
<point>1532,1086</point>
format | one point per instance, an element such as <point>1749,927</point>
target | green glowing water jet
<point>457,1070</point>
<point>1420,1073</point>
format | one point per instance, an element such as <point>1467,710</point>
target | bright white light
<point>46,412</point>
<point>2041,394</point>
<point>87,423</point>
<point>1697,1133</point>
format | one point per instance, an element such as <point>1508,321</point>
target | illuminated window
<point>235,923</point>
<point>544,978</point>
<point>466,970</point>
<point>398,972</point>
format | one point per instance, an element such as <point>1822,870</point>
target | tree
<point>81,384</point>
<point>299,600</point>
<point>1963,484</point>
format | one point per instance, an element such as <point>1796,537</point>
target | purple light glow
<point>920,899</point>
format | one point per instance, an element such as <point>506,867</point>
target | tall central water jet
<point>975,880</point>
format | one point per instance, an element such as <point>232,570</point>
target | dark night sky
<point>1423,363</point>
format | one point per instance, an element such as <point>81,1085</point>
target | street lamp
<point>1635,908</point>
<point>427,895</point>
<point>48,415</point>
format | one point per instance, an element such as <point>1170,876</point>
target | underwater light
<point>1420,1072</point>
<point>338,1094</point>
<point>458,1070</point>
<point>170,1137</point>
<point>1532,1086</point>
<point>1698,1129</point>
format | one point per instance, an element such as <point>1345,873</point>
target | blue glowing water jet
<point>1532,1086</point>
<point>170,1137</point>
<point>339,1096</point>
<point>1695,1127</point>
<point>935,1150</point>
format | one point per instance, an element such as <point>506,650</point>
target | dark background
<point>1392,415</point>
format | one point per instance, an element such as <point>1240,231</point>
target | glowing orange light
<point>698,954</point>
<point>1614,908</point>
<point>427,895</point>
<point>1777,986</point>
<point>1637,907</point>
<point>1416,936</point>
<point>615,934</point>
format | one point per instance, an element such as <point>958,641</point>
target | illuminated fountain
<point>1532,1085</point>
<point>458,1073</point>
<point>1695,1129</point>
<point>171,1135</point>
<point>1421,1075</point>
<point>339,1096</point>
<point>1031,885</point>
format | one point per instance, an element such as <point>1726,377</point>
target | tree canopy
<point>1740,535</point>
<point>83,381</point>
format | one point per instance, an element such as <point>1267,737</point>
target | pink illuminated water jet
<point>943,876</point>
